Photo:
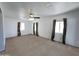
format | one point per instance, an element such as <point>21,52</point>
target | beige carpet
<point>30,45</point>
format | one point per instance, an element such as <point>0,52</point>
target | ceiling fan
<point>31,16</point>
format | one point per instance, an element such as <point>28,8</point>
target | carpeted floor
<point>30,45</point>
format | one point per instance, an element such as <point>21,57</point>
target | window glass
<point>22,28</point>
<point>59,27</point>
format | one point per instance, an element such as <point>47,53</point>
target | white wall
<point>10,25</point>
<point>28,27</point>
<point>45,26</point>
<point>11,17</point>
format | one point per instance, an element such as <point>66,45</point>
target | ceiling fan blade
<point>36,17</point>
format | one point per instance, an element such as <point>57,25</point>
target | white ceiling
<point>20,9</point>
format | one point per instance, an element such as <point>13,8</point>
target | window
<point>22,28</point>
<point>59,27</point>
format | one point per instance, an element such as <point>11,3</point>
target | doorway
<point>35,28</point>
<point>20,28</point>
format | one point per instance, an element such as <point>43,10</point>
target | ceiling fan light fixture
<point>31,18</point>
<point>31,15</point>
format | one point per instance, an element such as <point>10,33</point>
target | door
<point>36,28</point>
<point>33,28</point>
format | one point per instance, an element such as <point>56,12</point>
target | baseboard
<point>17,36</point>
<point>60,42</point>
<point>72,46</point>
